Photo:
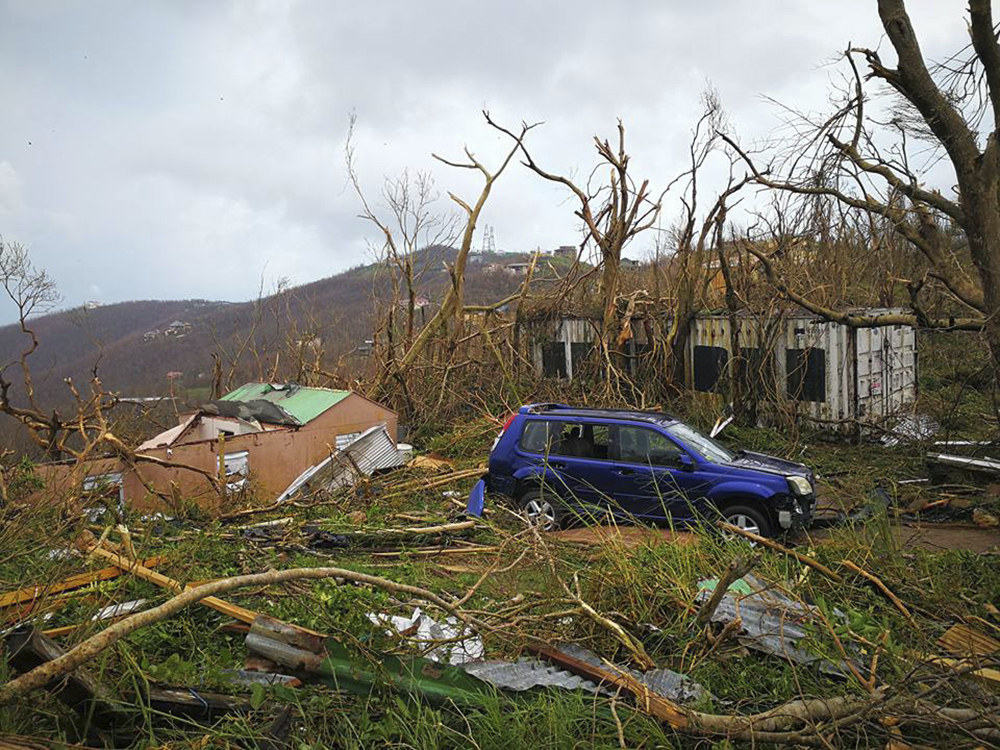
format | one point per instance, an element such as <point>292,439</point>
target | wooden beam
<point>141,571</point>
<point>649,702</point>
<point>73,582</point>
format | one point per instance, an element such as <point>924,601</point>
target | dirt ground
<point>928,536</point>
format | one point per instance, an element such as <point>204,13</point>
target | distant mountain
<point>135,345</point>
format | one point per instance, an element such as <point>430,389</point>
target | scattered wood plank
<point>28,647</point>
<point>193,704</point>
<point>985,675</point>
<point>426,551</point>
<point>961,640</point>
<point>73,582</point>
<point>646,699</point>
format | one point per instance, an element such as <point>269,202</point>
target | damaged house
<point>262,436</point>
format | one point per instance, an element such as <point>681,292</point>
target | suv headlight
<point>800,486</point>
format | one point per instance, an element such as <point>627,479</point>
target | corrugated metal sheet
<point>303,403</point>
<point>771,622</point>
<point>373,450</point>
<point>525,674</point>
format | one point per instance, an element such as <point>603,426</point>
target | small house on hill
<point>261,435</point>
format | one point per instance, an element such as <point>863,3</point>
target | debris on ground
<point>371,451</point>
<point>769,620</point>
<point>985,519</point>
<point>912,428</point>
<point>458,644</point>
<point>945,465</point>
<point>431,462</point>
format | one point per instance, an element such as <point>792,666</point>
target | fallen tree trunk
<point>88,649</point>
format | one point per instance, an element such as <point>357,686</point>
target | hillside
<point>337,309</point>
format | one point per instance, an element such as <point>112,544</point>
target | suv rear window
<point>581,440</point>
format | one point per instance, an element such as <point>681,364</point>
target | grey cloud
<point>184,149</point>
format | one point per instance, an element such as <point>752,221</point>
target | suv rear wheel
<point>542,509</point>
<point>747,518</point>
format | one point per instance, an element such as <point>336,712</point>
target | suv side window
<point>573,439</point>
<point>640,445</point>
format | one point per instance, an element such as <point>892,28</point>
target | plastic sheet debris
<point>462,645</point>
<point>771,622</point>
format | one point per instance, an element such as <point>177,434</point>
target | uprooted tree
<point>866,163</point>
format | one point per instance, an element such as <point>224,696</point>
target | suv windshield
<point>705,446</point>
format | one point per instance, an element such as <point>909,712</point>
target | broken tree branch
<point>771,544</point>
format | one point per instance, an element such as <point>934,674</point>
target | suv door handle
<point>557,464</point>
<point>624,472</point>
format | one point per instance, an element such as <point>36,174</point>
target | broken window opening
<point>237,469</point>
<point>554,359</point>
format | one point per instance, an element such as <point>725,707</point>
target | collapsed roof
<point>301,403</point>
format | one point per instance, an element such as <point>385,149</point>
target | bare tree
<point>33,293</point>
<point>612,212</point>
<point>411,225</point>
<point>868,165</point>
<point>84,432</point>
<point>698,239</point>
<point>452,305</point>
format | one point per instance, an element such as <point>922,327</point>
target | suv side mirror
<point>685,462</point>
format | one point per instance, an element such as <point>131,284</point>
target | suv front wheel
<point>747,518</point>
<point>542,510</point>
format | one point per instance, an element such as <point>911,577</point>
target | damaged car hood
<point>771,465</point>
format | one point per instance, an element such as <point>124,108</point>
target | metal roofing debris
<point>467,682</point>
<point>911,428</point>
<point>771,622</point>
<point>373,450</point>
<point>980,465</point>
<point>525,674</point>
<point>528,673</point>
<point>303,403</point>
<point>168,436</point>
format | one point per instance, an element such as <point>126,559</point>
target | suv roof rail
<point>540,407</point>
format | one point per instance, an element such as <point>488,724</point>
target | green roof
<point>305,404</point>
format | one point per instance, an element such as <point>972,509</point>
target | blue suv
<point>560,463</point>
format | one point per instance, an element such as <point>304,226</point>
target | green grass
<point>648,589</point>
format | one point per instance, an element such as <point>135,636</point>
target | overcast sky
<point>191,148</point>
